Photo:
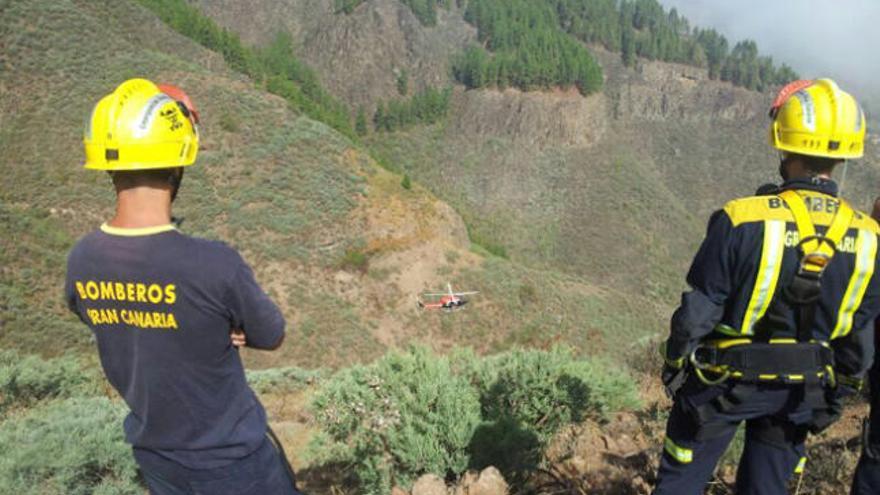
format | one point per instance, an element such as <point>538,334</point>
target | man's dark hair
<point>137,178</point>
<point>818,164</point>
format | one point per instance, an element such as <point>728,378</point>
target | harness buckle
<point>815,262</point>
<point>693,357</point>
<point>700,367</point>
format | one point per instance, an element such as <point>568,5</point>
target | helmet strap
<point>843,178</point>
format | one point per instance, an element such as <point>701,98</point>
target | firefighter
<point>162,306</point>
<point>867,477</point>
<point>777,327</point>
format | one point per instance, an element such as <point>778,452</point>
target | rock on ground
<point>488,482</point>
<point>429,484</point>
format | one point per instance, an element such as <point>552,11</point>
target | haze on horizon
<point>818,38</point>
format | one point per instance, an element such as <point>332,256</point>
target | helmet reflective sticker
<point>808,109</point>
<point>87,133</point>
<point>860,118</point>
<point>145,121</point>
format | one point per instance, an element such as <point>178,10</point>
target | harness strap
<point>801,362</point>
<point>810,242</point>
<point>816,252</point>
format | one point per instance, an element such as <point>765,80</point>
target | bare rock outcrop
<point>429,484</point>
<point>662,91</point>
<point>487,482</point>
<point>535,120</point>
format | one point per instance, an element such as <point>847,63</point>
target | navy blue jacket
<point>749,253</point>
<point>161,305</point>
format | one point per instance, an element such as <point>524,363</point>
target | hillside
<point>553,178</point>
<point>341,245</point>
<point>361,55</point>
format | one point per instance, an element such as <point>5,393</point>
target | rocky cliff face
<point>658,91</point>
<point>359,56</point>
<point>535,120</point>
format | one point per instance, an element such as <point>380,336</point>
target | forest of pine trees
<point>523,43</point>
<point>642,28</point>
<point>529,50</point>
<point>425,107</point>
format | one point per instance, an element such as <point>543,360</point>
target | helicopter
<point>449,300</point>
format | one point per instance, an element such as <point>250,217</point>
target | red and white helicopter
<point>448,300</point>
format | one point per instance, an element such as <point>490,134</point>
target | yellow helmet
<point>138,127</point>
<point>817,118</point>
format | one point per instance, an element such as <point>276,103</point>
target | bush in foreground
<point>68,447</point>
<point>414,413</point>
<point>402,416</point>
<point>25,380</point>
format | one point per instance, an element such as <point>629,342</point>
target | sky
<point>818,38</point>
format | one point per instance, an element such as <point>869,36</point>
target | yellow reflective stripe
<point>680,454</point>
<point>768,274</point>
<point>725,343</point>
<point>802,463</point>
<point>866,251</point>
<point>137,232</point>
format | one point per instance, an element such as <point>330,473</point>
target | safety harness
<point>764,357</point>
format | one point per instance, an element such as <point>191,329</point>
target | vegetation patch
<point>68,447</point>
<point>26,380</point>
<point>282,380</point>
<point>425,107</point>
<point>413,413</point>
<point>424,10</point>
<point>355,260</point>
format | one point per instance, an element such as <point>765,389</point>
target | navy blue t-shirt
<point>161,305</point>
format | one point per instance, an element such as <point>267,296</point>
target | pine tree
<point>379,121</point>
<point>403,83</point>
<point>360,122</point>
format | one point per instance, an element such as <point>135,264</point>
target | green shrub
<point>68,447</point>
<point>347,6</point>
<point>414,413</point>
<point>545,390</point>
<point>353,260</point>
<point>25,380</point>
<point>400,417</point>
<point>403,82</point>
<point>406,183</point>
<point>360,122</point>
<point>277,380</point>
